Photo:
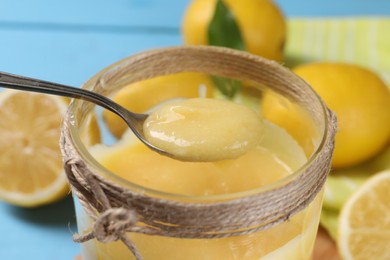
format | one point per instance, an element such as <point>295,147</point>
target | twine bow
<point>113,223</point>
<point>110,226</point>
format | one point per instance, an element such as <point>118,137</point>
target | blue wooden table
<point>67,42</point>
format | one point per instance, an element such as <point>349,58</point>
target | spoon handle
<point>133,120</point>
<point>36,85</point>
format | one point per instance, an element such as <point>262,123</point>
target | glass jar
<point>244,217</point>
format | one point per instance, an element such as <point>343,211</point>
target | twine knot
<point>113,224</point>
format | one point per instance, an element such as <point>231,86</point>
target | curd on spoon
<point>204,129</point>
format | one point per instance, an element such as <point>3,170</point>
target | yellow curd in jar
<point>275,156</point>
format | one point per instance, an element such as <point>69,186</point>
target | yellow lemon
<point>261,23</point>
<point>144,95</point>
<point>293,118</point>
<point>31,166</point>
<point>361,101</point>
<point>364,224</point>
<point>31,169</point>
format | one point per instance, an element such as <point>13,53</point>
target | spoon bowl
<point>134,121</point>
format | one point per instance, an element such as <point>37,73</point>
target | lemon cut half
<point>364,224</point>
<point>31,169</point>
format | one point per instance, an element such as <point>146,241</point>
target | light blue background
<point>67,42</point>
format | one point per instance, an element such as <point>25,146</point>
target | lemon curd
<point>204,129</point>
<point>275,156</point>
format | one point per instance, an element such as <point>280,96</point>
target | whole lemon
<point>361,101</point>
<point>292,118</point>
<point>261,23</point>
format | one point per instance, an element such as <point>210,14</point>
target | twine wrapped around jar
<point>117,210</point>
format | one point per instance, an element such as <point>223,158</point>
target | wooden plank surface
<point>71,57</point>
<point>325,248</point>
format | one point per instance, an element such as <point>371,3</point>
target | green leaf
<point>224,31</point>
<point>228,87</point>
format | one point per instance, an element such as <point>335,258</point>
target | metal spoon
<point>133,120</point>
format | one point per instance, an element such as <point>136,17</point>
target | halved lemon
<point>31,169</point>
<point>364,224</point>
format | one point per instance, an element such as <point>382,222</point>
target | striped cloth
<point>364,41</point>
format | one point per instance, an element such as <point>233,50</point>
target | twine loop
<point>113,224</point>
<point>116,210</point>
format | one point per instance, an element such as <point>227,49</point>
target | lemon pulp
<point>31,171</point>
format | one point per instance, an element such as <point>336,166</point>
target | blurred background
<point>68,42</point>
